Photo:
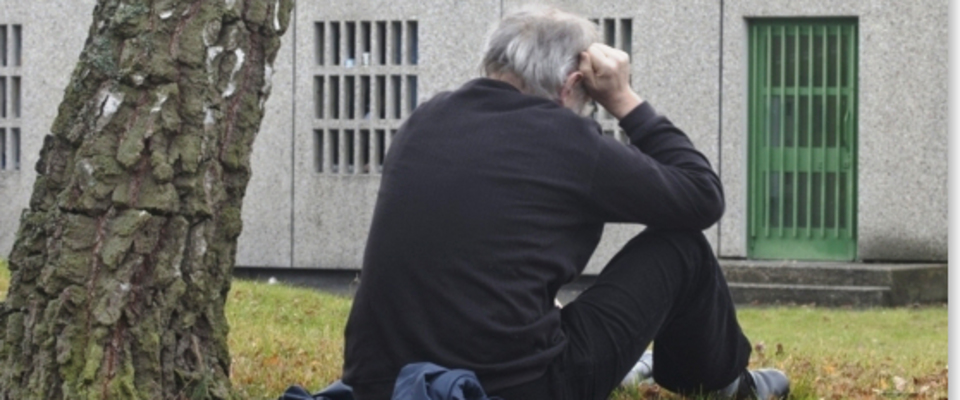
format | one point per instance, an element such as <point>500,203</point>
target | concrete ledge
<point>751,282</point>
<point>835,284</point>
<point>828,296</point>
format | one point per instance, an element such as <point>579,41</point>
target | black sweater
<point>491,200</point>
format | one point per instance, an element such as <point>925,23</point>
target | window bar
<point>823,141</point>
<point>320,38</point>
<point>389,99</point>
<point>393,132</point>
<point>335,42</point>
<point>397,32</point>
<point>318,150</point>
<point>840,131</point>
<point>15,96</point>
<point>334,151</point>
<point>810,128</point>
<point>768,57</point>
<point>752,116</point>
<point>318,96</point>
<point>852,139</point>
<point>413,45</point>
<point>15,147</point>
<point>3,46</point>
<point>781,148</point>
<point>796,127</point>
<point>17,45</point>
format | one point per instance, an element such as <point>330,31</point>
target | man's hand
<point>606,76</point>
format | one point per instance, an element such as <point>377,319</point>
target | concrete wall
<point>295,216</point>
<point>902,197</point>
<point>53,35</point>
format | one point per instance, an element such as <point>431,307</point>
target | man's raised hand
<point>606,77</point>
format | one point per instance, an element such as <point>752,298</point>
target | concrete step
<point>826,296</point>
<point>835,284</point>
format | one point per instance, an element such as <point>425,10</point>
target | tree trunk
<point>122,263</point>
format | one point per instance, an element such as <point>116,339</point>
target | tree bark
<point>122,263</point>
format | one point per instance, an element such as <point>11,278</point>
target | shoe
<point>763,384</point>
<point>641,372</point>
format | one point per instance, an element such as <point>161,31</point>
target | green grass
<point>282,335</point>
<point>4,278</point>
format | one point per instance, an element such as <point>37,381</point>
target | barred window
<point>11,96</point>
<point>364,84</point>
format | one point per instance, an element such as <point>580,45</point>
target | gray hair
<point>541,46</point>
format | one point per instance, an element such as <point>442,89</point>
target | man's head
<point>537,49</point>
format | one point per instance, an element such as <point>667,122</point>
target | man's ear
<point>569,84</point>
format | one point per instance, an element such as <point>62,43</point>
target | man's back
<point>484,211</point>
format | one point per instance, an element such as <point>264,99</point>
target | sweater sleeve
<point>661,180</point>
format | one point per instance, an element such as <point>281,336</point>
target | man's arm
<point>663,181</point>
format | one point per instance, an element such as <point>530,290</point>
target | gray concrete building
<point>827,120</point>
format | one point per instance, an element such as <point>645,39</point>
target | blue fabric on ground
<point>418,381</point>
<point>337,391</point>
<point>428,381</point>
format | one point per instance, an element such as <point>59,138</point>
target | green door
<point>803,139</point>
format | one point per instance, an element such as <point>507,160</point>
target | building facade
<point>827,121</point>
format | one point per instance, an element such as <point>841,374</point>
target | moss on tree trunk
<point>122,263</point>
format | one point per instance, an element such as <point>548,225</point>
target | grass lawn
<point>282,335</point>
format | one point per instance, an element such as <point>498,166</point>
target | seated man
<point>495,195</point>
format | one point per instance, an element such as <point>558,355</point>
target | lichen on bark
<point>122,262</point>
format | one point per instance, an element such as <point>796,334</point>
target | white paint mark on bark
<point>161,98</point>
<point>87,167</point>
<point>267,83</point>
<point>208,119</point>
<point>231,85</point>
<point>212,53</point>
<point>276,16</point>
<point>111,104</point>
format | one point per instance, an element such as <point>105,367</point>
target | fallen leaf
<point>899,383</point>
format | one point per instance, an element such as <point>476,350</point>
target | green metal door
<point>803,139</point>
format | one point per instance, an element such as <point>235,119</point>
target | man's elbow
<point>710,208</point>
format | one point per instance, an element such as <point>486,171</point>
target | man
<point>495,195</point>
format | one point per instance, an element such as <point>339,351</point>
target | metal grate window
<point>11,96</point>
<point>802,135</point>
<point>365,84</point>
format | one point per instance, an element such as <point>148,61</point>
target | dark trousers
<point>665,287</point>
